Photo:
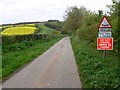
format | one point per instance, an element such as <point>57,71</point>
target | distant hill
<point>23,23</point>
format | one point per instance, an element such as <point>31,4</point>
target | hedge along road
<point>55,68</point>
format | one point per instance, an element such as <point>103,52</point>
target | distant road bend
<point>55,68</point>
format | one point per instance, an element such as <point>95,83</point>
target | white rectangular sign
<point>104,34</point>
<point>105,30</point>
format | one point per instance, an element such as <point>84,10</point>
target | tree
<point>73,19</point>
<point>115,21</point>
<point>100,12</point>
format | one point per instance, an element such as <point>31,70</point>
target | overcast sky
<point>13,11</point>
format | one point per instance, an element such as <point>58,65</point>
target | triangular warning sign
<point>105,23</point>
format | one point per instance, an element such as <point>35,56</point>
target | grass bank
<point>19,54</point>
<point>0,62</point>
<point>95,72</point>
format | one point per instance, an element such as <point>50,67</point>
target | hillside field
<point>46,30</point>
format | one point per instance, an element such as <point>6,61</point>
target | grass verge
<point>94,71</point>
<point>19,54</point>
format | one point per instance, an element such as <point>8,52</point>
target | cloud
<point>41,10</point>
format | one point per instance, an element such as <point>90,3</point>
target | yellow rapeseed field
<point>18,30</point>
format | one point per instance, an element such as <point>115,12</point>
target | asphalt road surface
<point>55,68</point>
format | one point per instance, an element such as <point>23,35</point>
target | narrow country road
<point>55,68</point>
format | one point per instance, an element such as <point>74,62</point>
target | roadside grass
<point>94,71</point>
<point>46,30</point>
<point>0,62</point>
<point>15,58</point>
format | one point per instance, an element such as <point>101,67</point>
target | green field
<point>46,30</point>
<point>14,55</point>
<point>95,72</point>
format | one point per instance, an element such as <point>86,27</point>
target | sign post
<point>104,40</point>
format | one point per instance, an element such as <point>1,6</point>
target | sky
<point>14,11</point>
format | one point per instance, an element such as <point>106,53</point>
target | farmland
<point>23,29</point>
<point>18,30</point>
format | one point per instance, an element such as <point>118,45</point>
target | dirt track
<point>56,68</point>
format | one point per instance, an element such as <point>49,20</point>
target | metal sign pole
<point>104,54</point>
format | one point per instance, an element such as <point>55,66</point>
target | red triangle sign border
<point>102,21</point>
